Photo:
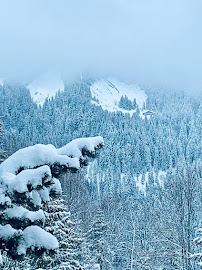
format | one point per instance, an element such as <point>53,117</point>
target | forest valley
<point>68,204</point>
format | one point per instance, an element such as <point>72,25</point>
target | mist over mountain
<point>100,135</point>
<point>151,43</point>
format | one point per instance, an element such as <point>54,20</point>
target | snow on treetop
<point>56,186</point>
<point>38,155</point>
<point>34,156</point>
<point>20,182</point>
<point>26,175</point>
<point>35,237</point>
<point>108,93</point>
<point>78,147</point>
<point>21,213</point>
<point>4,200</point>
<point>7,232</point>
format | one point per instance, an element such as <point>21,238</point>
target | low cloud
<point>151,42</point>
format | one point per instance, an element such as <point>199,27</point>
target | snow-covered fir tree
<point>126,103</point>
<point>197,257</point>
<point>98,250</point>
<point>2,152</point>
<point>27,190</point>
<point>59,224</point>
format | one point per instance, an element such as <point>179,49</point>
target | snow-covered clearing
<point>108,92</point>
<point>46,86</point>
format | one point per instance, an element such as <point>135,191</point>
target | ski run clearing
<point>108,92</point>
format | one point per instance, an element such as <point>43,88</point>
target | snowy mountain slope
<point>108,92</point>
<point>46,86</point>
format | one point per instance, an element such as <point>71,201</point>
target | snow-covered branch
<point>71,155</point>
<point>27,182</point>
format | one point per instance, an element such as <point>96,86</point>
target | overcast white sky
<point>156,43</point>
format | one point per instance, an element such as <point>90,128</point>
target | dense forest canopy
<point>140,200</point>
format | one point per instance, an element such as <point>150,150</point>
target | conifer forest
<point>100,135</point>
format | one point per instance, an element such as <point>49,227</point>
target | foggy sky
<point>155,43</point>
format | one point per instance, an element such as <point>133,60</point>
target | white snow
<point>33,162</point>
<point>39,154</point>
<point>56,186</point>
<point>1,259</point>
<point>46,86</point>
<point>122,178</point>
<point>19,182</point>
<point>36,199</point>
<point>90,169</point>
<point>161,178</point>
<point>98,185</point>
<point>196,255</point>
<point>92,267</point>
<point>108,92</point>
<point>34,156</point>
<point>75,147</point>
<point>21,213</point>
<point>7,232</point>
<point>198,240</point>
<point>141,182</point>
<point>44,194</point>
<point>4,200</point>
<point>35,237</point>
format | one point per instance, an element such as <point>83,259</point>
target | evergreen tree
<point>171,138</point>
<point>125,103</point>
<point>59,224</point>
<point>26,188</point>
<point>197,257</point>
<point>98,246</point>
<point>2,153</point>
<point>135,104</point>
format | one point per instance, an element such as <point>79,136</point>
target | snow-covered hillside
<point>108,92</point>
<point>46,86</point>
